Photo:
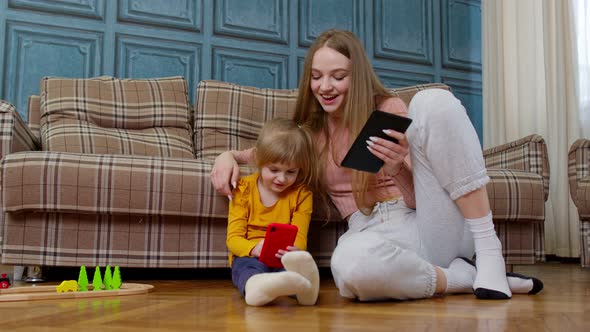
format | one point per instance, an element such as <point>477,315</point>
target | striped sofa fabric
<point>106,115</point>
<point>518,190</point>
<point>116,172</point>
<point>579,183</point>
<point>229,116</point>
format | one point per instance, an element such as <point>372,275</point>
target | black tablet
<point>359,157</point>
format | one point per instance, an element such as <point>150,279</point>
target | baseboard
<point>565,260</point>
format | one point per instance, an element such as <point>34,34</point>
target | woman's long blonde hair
<point>364,88</point>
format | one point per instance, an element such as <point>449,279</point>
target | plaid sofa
<point>113,171</point>
<point>579,181</point>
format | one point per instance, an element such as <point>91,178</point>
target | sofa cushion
<point>579,185</point>
<point>44,181</point>
<point>229,116</point>
<point>106,115</point>
<point>516,196</point>
<point>528,154</point>
<point>583,198</point>
<point>14,135</point>
<point>579,179</point>
<point>112,184</point>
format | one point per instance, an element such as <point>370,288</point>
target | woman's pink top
<point>339,182</point>
<point>339,179</point>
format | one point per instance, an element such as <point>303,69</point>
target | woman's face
<point>330,79</point>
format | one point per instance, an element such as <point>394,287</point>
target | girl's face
<point>330,79</point>
<point>277,177</point>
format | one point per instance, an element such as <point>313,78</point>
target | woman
<point>409,226</point>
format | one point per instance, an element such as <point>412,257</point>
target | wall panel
<point>254,42</point>
<point>318,16</point>
<point>261,19</point>
<point>397,79</point>
<point>88,8</point>
<point>249,68</point>
<point>461,34</point>
<point>35,51</point>
<point>179,14</point>
<point>413,21</point>
<point>143,57</point>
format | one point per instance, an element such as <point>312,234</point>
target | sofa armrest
<point>15,135</point>
<point>527,154</point>
<point>579,174</point>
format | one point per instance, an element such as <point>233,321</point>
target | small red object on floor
<point>4,281</point>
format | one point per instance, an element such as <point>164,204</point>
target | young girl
<point>277,193</point>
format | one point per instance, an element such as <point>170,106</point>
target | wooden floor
<point>214,305</point>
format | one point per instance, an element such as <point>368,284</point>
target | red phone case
<point>278,236</point>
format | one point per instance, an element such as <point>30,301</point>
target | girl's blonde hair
<point>364,88</point>
<point>283,141</point>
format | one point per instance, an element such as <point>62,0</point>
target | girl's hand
<point>255,252</point>
<point>225,174</point>
<point>392,154</point>
<point>281,252</point>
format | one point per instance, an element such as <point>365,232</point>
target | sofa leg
<point>34,274</point>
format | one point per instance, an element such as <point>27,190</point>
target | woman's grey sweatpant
<point>391,254</point>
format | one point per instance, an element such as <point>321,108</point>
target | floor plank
<point>215,305</point>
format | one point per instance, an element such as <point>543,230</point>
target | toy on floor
<point>97,280</point>
<point>4,281</point>
<point>82,280</point>
<point>67,286</point>
<point>117,278</point>
<point>110,286</point>
<point>110,281</point>
<point>82,283</point>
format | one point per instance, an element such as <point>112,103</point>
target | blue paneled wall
<point>253,42</point>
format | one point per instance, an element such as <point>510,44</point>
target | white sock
<point>521,284</point>
<point>265,287</point>
<point>518,283</point>
<point>460,276</point>
<point>302,263</point>
<point>490,280</point>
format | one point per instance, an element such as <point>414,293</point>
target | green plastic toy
<point>97,281</point>
<point>116,284</point>
<point>83,279</point>
<point>108,279</point>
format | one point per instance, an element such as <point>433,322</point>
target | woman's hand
<point>281,252</point>
<point>225,174</point>
<point>392,154</point>
<point>255,252</point>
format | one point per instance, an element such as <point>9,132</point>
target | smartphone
<point>359,157</point>
<point>278,236</point>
